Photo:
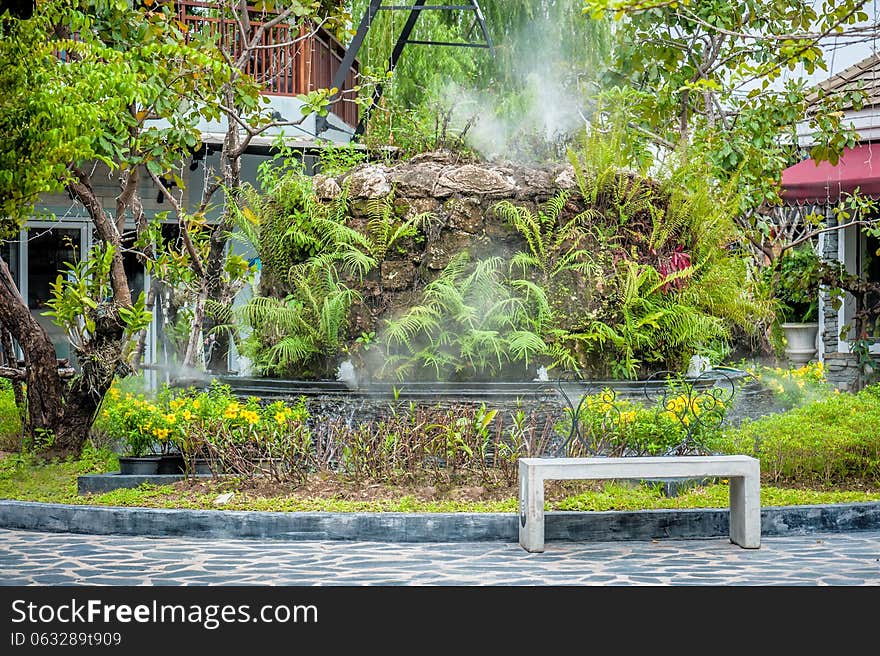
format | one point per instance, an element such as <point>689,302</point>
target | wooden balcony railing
<point>290,60</point>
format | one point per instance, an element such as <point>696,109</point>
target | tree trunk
<point>190,358</point>
<point>217,360</point>
<point>66,410</point>
<point>100,361</point>
<point>149,305</point>
<point>45,389</point>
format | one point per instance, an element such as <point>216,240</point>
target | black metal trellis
<point>699,403</point>
<point>415,10</point>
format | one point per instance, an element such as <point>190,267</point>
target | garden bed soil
<point>318,486</point>
<point>323,487</point>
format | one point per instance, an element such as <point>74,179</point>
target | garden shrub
<point>436,444</point>
<point>238,437</point>
<point>793,387</point>
<point>679,422</point>
<point>830,441</point>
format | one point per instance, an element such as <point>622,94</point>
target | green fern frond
<point>524,262</point>
<point>220,312</point>
<point>402,329</point>
<point>441,362</point>
<point>525,345</point>
<point>476,345</point>
<point>290,350</point>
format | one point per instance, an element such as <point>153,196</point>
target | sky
<point>841,52</point>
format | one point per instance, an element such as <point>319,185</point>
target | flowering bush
<point>235,435</point>
<point>793,387</point>
<point>682,420</point>
<point>133,420</point>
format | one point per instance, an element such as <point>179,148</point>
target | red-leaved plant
<point>677,261</point>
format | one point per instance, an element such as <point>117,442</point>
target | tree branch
<point>198,267</point>
<point>107,230</point>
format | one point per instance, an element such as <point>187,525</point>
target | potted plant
<point>795,284</point>
<point>139,457</point>
<point>128,418</point>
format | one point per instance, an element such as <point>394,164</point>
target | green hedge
<point>832,441</point>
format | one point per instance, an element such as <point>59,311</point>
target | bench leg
<point>745,511</point>
<point>531,510</point>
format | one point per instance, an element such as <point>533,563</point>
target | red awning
<point>808,182</point>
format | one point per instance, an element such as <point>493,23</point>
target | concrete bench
<point>742,471</point>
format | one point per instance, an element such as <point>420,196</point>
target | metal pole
<point>356,43</point>
<point>414,14</point>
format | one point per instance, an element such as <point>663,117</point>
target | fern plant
<point>552,248</point>
<point>669,281</point>
<point>470,323</point>
<point>301,334</point>
<point>385,229</point>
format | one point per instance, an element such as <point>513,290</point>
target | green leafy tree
<point>99,82</point>
<point>715,78</point>
<point>457,97</point>
<point>264,30</point>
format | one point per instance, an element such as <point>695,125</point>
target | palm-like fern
<point>385,229</point>
<point>552,248</point>
<point>655,324</point>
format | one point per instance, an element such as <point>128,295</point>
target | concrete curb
<point>426,527</point>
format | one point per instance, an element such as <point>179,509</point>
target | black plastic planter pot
<point>145,465</point>
<point>171,463</point>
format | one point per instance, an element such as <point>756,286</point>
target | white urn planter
<point>800,341</point>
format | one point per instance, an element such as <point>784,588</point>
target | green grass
<point>25,480</point>
<point>10,423</point>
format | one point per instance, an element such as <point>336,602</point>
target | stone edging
<point>426,527</point>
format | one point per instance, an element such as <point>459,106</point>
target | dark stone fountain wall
<point>461,196</point>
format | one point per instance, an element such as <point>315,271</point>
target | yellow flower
<point>187,415</point>
<point>626,417</point>
<point>170,418</point>
<point>231,411</point>
<point>113,393</point>
<point>161,433</point>
<point>250,416</point>
<point>280,417</point>
<point>196,404</point>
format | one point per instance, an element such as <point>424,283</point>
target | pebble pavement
<point>29,558</point>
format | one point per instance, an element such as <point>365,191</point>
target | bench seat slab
<point>743,473</point>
